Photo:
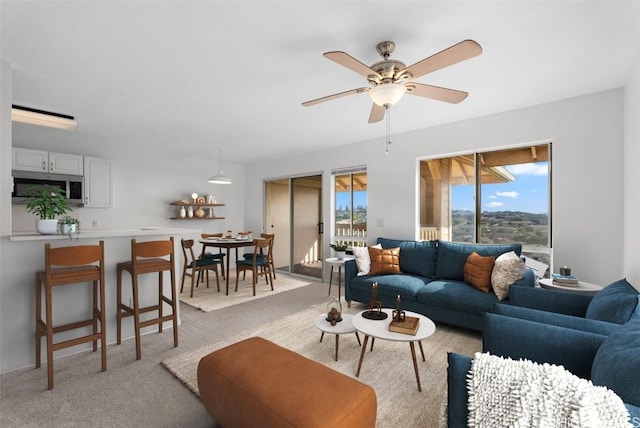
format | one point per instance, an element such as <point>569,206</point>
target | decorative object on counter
<point>199,212</point>
<point>68,225</point>
<point>200,200</point>
<point>340,249</point>
<point>47,202</point>
<point>183,212</point>
<point>190,212</point>
<point>334,311</point>
<point>374,308</point>
<point>194,196</point>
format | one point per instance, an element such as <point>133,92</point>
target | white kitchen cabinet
<point>98,192</point>
<point>43,161</point>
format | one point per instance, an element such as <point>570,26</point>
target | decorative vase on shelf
<point>199,212</point>
<point>190,212</point>
<point>183,212</point>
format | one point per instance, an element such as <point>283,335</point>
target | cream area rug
<point>208,299</point>
<point>388,368</point>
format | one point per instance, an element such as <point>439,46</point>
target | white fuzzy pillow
<point>507,269</point>
<point>363,260</point>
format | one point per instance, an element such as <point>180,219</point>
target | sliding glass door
<point>293,211</point>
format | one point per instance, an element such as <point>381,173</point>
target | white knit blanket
<point>508,393</point>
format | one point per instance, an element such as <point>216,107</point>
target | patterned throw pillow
<point>384,261</point>
<point>507,269</point>
<point>477,271</point>
<point>363,261</point>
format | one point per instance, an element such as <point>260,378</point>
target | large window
<point>350,206</point>
<point>491,197</point>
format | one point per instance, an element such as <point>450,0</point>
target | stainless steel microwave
<point>71,185</point>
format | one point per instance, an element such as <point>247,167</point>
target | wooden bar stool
<point>148,257</point>
<point>77,264</point>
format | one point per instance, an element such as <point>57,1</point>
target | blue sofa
<point>615,304</point>
<point>612,361</point>
<point>432,281</point>
<point>596,338</point>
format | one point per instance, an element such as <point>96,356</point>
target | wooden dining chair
<point>64,266</point>
<point>218,256</point>
<point>197,265</point>
<point>258,264</point>
<point>272,237</point>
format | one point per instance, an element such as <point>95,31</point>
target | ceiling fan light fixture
<point>219,178</point>
<point>387,93</point>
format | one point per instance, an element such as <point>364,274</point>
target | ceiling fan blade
<point>335,96</point>
<point>436,92</point>
<point>351,63</point>
<point>452,55</point>
<point>377,113</point>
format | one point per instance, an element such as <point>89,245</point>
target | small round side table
<point>336,262</point>
<point>580,288</point>
<point>343,327</point>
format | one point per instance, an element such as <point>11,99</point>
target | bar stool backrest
<point>151,256</point>
<point>80,263</point>
<point>151,248</point>
<point>73,256</point>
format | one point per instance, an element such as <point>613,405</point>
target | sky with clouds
<point>529,192</point>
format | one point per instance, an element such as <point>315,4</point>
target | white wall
<point>587,189</point>
<point>632,176</point>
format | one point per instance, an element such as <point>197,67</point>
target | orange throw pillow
<point>477,271</point>
<point>384,260</point>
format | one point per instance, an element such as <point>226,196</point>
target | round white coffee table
<point>380,330</point>
<point>339,263</point>
<point>581,288</point>
<point>343,327</point>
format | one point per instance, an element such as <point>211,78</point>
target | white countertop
<point>103,233</point>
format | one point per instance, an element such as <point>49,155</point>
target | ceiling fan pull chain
<point>388,108</point>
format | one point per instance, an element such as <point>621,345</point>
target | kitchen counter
<point>101,233</point>
<point>24,256</point>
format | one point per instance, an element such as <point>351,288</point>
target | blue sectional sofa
<point>593,337</point>
<point>612,361</point>
<point>432,281</point>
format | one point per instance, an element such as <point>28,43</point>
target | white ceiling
<point>191,76</point>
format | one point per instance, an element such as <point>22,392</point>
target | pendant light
<point>220,178</point>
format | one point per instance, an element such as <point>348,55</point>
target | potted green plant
<point>47,202</point>
<point>340,249</point>
<point>68,225</point>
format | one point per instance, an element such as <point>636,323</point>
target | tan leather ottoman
<point>256,383</point>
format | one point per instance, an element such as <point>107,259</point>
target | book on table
<point>408,326</point>
<point>564,279</point>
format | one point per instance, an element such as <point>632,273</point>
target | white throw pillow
<point>363,260</point>
<point>507,269</point>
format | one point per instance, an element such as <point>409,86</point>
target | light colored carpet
<point>209,299</point>
<point>388,369</point>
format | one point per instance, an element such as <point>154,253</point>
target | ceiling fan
<point>390,79</point>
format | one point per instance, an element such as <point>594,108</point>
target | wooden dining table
<point>227,243</point>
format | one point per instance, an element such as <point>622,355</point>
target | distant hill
<point>502,227</point>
